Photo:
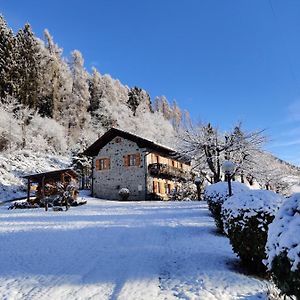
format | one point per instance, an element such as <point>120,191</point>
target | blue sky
<point>224,61</point>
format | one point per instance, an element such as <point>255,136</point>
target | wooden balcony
<point>168,172</point>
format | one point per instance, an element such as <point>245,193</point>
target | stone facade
<point>121,163</point>
<point>108,182</point>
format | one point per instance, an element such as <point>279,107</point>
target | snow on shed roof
<point>38,176</point>
<point>94,149</point>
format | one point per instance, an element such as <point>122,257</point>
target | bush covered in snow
<point>283,247</point>
<point>216,194</point>
<point>124,193</point>
<point>186,191</point>
<point>22,205</point>
<point>246,217</point>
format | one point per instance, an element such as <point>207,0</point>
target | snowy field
<point>114,250</point>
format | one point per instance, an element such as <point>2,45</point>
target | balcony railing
<point>168,172</point>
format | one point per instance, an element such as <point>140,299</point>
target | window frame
<point>102,164</point>
<point>132,160</point>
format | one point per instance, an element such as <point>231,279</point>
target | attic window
<point>118,140</point>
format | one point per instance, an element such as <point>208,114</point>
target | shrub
<point>186,191</point>
<point>246,218</point>
<point>283,247</point>
<point>22,205</point>
<point>216,194</point>
<point>124,193</point>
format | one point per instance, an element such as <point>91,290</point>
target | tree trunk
<point>23,135</point>
<point>242,178</point>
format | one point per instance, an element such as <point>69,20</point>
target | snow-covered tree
<point>10,129</point>
<point>209,147</point>
<point>7,59</point>
<point>154,127</point>
<point>77,115</point>
<point>270,174</point>
<point>138,100</point>
<point>17,121</point>
<point>28,62</point>
<point>96,91</point>
<point>46,134</point>
<point>55,81</point>
<point>242,148</point>
<point>162,105</point>
<point>103,98</point>
<point>176,116</point>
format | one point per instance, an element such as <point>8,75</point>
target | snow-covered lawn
<point>115,250</point>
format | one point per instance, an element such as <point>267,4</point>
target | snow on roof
<point>51,173</point>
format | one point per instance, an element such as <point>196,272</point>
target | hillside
<point>24,162</point>
<point>52,107</point>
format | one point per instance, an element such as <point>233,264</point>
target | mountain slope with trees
<point>51,105</point>
<point>35,75</point>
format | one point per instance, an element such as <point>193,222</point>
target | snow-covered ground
<point>119,250</point>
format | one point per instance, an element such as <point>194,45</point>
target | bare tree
<point>271,174</point>
<point>209,147</point>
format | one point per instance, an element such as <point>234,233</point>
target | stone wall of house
<point>107,183</point>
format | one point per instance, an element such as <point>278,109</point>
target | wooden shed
<point>45,183</point>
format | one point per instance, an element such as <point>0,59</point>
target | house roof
<point>51,174</point>
<point>94,149</point>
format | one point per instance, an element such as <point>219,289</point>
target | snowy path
<point>112,250</point>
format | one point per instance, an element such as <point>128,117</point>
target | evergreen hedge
<point>246,217</point>
<point>216,194</point>
<point>283,247</point>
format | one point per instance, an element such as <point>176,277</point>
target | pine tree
<point>138,98</point>
<point>56,80</point>
<point>79,102</point>
<point>28,60</point>
<point>165,107</point>
<point>176,116</point>
<point>161,104</point>
<point>7,59</point>
<point>96,91</point>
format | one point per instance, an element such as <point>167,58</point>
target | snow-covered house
<point>124,160</point>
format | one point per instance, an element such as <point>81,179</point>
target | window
<point>181,166</point>
<point>132,160</point>
<point>102,164</point>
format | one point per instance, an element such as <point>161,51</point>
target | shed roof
<point>51,174</point>
<point>94,149</point>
